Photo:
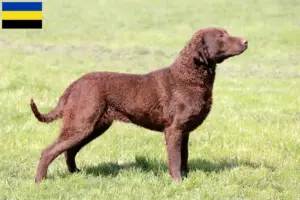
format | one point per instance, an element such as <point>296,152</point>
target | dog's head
<point>214,45</point>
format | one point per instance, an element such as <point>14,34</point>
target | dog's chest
<point>199,110</point>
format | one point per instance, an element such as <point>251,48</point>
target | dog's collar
<point>211,67</point>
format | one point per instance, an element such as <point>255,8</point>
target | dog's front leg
<point>184,154</point>
<point>173,138</point>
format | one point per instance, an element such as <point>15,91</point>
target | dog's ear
<point>203,51</point>
<point>198,48</point>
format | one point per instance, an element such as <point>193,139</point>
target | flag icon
<point>22,15</point>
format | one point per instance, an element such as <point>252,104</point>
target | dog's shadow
<point>157,167</point>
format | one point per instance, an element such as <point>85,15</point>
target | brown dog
<point>174,100</point>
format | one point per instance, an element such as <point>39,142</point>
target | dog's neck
<point>189,68</point>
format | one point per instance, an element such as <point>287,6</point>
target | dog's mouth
<point>231,54</point>
<point>239,50</point>
<point>236,53</point>
<point>245,47</point>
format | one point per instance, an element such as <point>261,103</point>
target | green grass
<point>249,146</point>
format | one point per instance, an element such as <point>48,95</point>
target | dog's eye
<point>222,35</point>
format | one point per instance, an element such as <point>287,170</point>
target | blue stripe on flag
<point>21,6</point>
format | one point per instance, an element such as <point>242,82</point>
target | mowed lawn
<point>249,146</point>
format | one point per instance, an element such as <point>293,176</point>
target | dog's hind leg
<point>78,123</point>
<point>71,153</point>
<point>54,150</point>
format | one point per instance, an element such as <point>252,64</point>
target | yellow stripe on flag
<point>22,15</point>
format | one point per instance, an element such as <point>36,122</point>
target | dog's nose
<point>245,42</point>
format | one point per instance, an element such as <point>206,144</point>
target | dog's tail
<point>46,118</point>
